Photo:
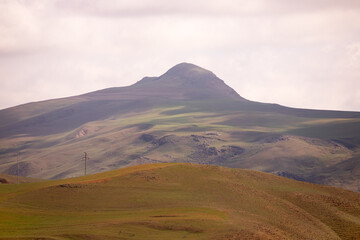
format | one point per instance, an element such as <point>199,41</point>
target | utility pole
<point>85,158</point>
<point>17,163</point>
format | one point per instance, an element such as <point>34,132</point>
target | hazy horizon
<point>298,54</point>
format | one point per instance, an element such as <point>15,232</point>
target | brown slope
<point>176,201</point>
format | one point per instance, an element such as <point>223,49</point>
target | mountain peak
<point>195,82</point>
<point>188,70</point>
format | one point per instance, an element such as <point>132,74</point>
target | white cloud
<point>288,52</point>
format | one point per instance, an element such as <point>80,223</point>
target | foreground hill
<point>177,201</point>
<point>187,114</point>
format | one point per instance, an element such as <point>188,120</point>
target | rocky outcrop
<point>198,148</point>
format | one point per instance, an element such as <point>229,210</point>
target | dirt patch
<point>145,176</point>
<point>73,185</point>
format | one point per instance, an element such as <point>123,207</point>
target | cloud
<point>213,8</point>
<point>288,52</point>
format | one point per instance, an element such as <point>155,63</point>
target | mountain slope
<point>185,115</point>
<point>176,201</point>
<point>183,82</point>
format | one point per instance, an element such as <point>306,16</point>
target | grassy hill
<point>185,115</point>
<point>178,201</point>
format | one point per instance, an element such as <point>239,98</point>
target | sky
<point>303,54</point>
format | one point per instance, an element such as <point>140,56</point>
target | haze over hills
<point>187,114</point>
<point>177,201</point>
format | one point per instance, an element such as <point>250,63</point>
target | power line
<point>17,163</point>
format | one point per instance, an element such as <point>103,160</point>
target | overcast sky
<point>296,53</point>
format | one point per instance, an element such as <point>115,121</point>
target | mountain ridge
<point>168,119</point>
<point>184,81</point>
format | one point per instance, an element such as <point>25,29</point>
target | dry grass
<point>177,201</point>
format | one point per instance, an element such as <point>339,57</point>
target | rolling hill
<point>178,201</point>
<point>187,114</point>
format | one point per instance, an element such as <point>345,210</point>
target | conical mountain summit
<point>192,81</point>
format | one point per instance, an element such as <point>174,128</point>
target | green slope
<point>178,201</point>
<point>288,145</point>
